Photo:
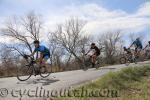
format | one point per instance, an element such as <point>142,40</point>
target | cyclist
<point>127,50</point>
<point>138,46</point>
<point>95,54</point>
<point>44,53</point>
<point>147,49</point>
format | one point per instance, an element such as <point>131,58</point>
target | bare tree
<point>68,36</point>
<point>6,57</point>
<point>110,41</point>
<point>23,30</point>
<point>55,54</point>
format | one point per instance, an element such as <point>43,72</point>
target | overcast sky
<point>101,15</point>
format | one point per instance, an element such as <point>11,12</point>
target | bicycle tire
<point>123,60</point>
<point>24,73</point>
<point>99,63</point>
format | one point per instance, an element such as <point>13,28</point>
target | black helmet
<point>36,41</point>
<point>124,48</point>
<point>92,43</point>
<point>149,42</point>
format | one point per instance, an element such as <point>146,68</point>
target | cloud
<point>123,24</point>
<point>101,19</point>
<point>144,10</point>
<point>92,13</point>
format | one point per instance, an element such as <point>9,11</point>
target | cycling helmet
<point>149,42</point>
<point>92,43</point>
<point>138,38</point>
<point>124,48</point>
<point>36,41</point>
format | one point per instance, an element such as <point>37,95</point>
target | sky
<point>130,16</point>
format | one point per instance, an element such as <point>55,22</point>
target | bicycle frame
<point>32,63</point>
<point>87,60</point>
<point>33,70</point>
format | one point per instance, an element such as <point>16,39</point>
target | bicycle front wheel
<point>24,72</point>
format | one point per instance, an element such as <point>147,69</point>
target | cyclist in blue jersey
<point>138,46</point>
<point>44,52</point>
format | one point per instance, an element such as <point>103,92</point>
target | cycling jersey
<point>43,50</point>
<point>128,51</point>
<point>97,51</point>
<point>138,44</point>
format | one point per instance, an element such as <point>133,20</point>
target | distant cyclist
<point>127,50</point>
<point>95,54</point>
<point>147,49</point>
<point>44,53</point>
<point>138,46</point>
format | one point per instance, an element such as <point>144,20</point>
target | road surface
<point>37,88</point>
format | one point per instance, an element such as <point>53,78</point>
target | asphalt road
<point>37,88</point>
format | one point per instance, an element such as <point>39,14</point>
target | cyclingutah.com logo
<point>39,92</point>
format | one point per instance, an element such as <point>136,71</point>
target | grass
<point>131,83</point>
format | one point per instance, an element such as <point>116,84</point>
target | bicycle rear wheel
<point>45,71</point>
<point>99,63</point>
<point>24,72</point>
<point>123,60</point>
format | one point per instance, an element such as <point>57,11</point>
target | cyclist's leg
<point>95,57</point>
<point>92,58</point>
<point>45,58</point>
<point>136,52</point>
<point>139,51</point>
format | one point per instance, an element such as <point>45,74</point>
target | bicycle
<point>32,68</point>
<point>128,58</point>
<point>87,62</point>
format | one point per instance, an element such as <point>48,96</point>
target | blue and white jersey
<point>42,49</point>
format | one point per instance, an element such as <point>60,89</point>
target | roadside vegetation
<point>131,83</point>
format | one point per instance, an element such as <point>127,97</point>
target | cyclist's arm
<point>32,54</point>
<point>87,52</point>
<point>131,45</point>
